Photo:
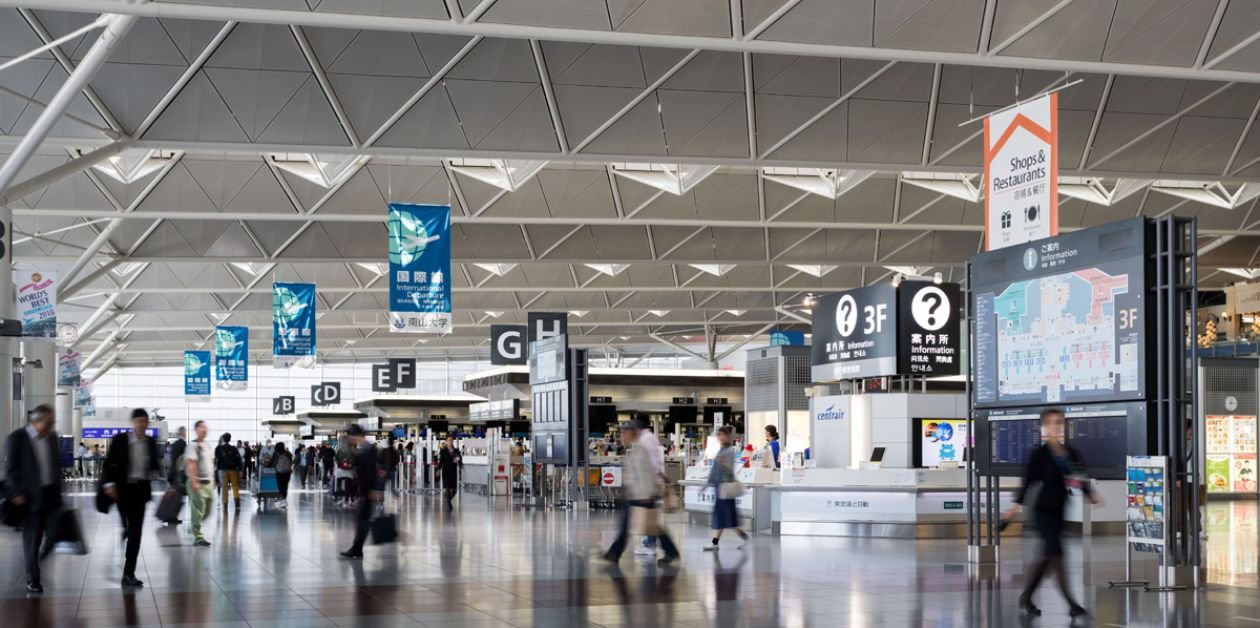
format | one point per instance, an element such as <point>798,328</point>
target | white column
<point>39,384</point>
<point>64,407</point>
<point>76,420</point>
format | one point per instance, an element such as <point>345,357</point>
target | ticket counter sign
<point>1021,168</point>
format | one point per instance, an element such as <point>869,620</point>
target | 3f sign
<point>1128,318</point>
<point>874,317</point>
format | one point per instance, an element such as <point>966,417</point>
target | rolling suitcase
<point>168,509</point>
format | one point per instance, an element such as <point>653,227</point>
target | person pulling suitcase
<point>173,500</point>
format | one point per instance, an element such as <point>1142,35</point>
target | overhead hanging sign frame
<point>293,337</point>
<point>1021,167</point>
<point>419,269</point>
<point>231,357</point>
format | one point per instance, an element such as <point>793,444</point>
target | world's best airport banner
<point>231,357</point>
<point>197,374</point>
<point>37,304</point>
<point>1021,173</point>
<point>419,268</point>
<point>293,324</point>
<point>68,369</point>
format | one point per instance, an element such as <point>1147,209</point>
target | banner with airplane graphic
<point>293,325</point>
<point>231,357</point>
<point>197,374</point>
<point>419,268</point>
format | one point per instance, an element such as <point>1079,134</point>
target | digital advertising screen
<point>1062,320</point>
<point>939,440</point>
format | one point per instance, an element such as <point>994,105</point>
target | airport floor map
<point>1146,494</point>
<point>1058,335</point>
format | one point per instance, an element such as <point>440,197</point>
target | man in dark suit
<point>130,464</point>
<point>369,475</point>
<point>32,472</point>
<point>450,460</point>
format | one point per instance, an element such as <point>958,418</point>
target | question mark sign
<point>846,315</point>
<point>935,300</point>
<point>931,308</point>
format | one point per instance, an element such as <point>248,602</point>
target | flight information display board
<point>1102,434</point>
<point>1062,320</point>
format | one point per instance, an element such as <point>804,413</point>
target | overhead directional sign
<point>855,334</point>
<point>928,329</point>
<point>283,405</point>
<point>547,324</point>
<point>1021,173</point>
<point>507,344</point>
<point>398,373</point>
<point>326,394</point>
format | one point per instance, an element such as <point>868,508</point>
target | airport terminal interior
<point>495,313</point>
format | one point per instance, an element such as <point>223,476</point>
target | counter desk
<point>754,506</point>
<point>886,503</point>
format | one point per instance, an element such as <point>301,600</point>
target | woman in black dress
<point>1056,468</point>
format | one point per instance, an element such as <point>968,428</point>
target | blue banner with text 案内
<point>293,324</point>
<point>419,268</point>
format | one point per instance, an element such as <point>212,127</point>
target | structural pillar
<point>76,420</point>
<point>64,406</point>
<point>39,385</point>
<point>8,311</point>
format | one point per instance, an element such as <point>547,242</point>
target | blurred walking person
<point>131,463</point>
<point>33,480</point>
<point>1055,468</point>
<point>641,485</point>
<point>200,469</point>
<point>722,474</point>
<point>299,459</point>
<point>369,487</point>
<point>450,460</point>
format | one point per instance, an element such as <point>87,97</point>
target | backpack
<point>230,459</point>
<point>284,463</point>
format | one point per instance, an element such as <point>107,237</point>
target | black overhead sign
<point>547,324</point>
<point>928,329</point>
<point>507,344</point>
<point>398,373</point>
<point>884,330</point>
<point>855,334</point>
<point>326,394</point>
<point>281,406</point>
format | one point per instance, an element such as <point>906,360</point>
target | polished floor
<point>486,565</point>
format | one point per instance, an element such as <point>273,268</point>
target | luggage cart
<point>266,488</point>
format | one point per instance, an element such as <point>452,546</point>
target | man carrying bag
<point>173,501</point>
<point>642,486</point>
<point>33,480</point>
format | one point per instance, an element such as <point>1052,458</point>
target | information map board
<point>1062,320</point>
<point>1146,497</point>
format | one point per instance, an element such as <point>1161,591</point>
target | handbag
<point>731,490</point>
<point>671,499</point>
<point>645,521</point>
<point>103,501</point>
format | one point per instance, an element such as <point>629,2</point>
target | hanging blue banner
<point>196,373</point>
<point>293,324</point>
<point>231,357</point>
<point>419,268</point>
<point>783,337</point>
<point>83,394</point>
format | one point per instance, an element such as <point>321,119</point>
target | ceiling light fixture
<point>579,313</point>
<point>506,174</point>
<point>324,170</point>
<point>955,184</point>
<point>676,179</point>
<point>376,268</point>
<point>1094,190</point>
<point>830,183</point>
<point>132,164</point>
<point>253,268</point>
<point>717,270</point>
<point>498,270</point>
<point>494,313</point>
<point>612,270</point>
<point>736,312</point>
<point>659,313</point>
<point>817,270</point>
<point>1211,193</point>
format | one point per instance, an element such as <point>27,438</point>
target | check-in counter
<point>476,473</point>
<point>754,506</point>
<point>888,503</point>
